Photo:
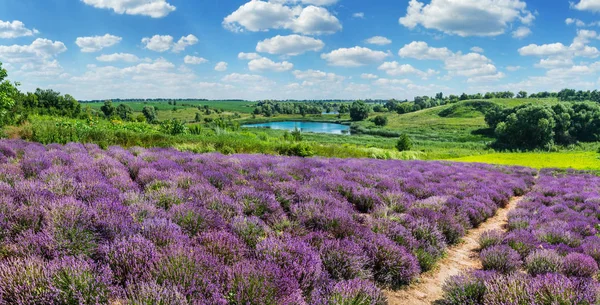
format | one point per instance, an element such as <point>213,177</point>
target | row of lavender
<point>550,254</point>
<point>81,225</point>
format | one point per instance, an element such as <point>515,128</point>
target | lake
<point>316,127</point>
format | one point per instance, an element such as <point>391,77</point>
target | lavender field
<point>82,225</point>
<point>549,255</point>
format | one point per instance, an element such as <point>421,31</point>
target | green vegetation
<point>464,128</point>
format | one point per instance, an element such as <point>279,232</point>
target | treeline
<point>273,108</point>
<point>542,126</point>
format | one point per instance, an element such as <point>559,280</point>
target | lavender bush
<point>83,225</point>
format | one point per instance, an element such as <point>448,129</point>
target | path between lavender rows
<point>459,258</point>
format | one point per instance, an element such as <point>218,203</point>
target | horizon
<point>299,49</point>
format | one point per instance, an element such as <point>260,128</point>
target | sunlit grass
<point>575,160</point>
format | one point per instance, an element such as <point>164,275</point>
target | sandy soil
<point>464,256</point>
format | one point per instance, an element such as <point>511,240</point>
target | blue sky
<point>299,49</point>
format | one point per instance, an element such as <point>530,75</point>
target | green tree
<point>8,92</point>
<point>359,111</point>
<point>108,109</point>
<point>124,112</point>
<point>527,128</point>
<point>150,113</point>
<point>380,120</point>
<point>404,143</point>
<point>198,117</point>
<point>522,94</point>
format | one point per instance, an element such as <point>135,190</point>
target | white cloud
<point>163,43</point>
<point>243,78</point>
<point>477,50</point>
<point>575,21</point>
<point>158,43</point>
<point>513,68</point>
<point>354,57</point>
<point>317,76</point>
<point>554,63</point>
<point>391,82</point>
<point>289,45</point>
<point>467,17</point>
<point>40,49</point>
<point>543,50</point>
<point>521,32</point>
<point>15,29</point>
<point>221,66</point>
<point>587,5</point>
<point>421,50</point>
<point>194,60</point>
<point>126,57</point>
<point>378,40</point>
<point>97,43</point>
<point>185,42</point>
<point>152,8</point>
<point>368,76</point>
<point>394,69</point>
<point>265,64</point>
<point>248,56</point>
<point>359,15</point>
<point>259,15</point>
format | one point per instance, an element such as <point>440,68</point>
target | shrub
<point>344,259</point>
<point>543,261</point>
<point>380,120</point>
<point>490,238</point>
<point>356,292</point>
<point>579,265</point>
<point>553,288</point>
<point>404,143</point>
<point>500,258</point>
<point>466,289</point>
<point>80,282</point>
<point>300,149</point>
<point>131,258</point>
<point>392,264</point>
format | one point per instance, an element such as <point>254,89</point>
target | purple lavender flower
<point>356,292</point>
<point>500,258</point>
<point>543,261</point>
<point>579,265</point>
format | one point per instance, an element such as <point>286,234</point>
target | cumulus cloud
<point>243,78</point>
<point>513,68</point>
<point>421,50</point>
<point>359,15</point>
<point>587,5</point>
<point>96,43</point>
<point>39,49</point>
<point>265,64</point>
<point>163,43</point>
<point>477,50</point>
<point>385,82</point>
<point>575,21</point>
<point>368,76</point>
<point>126,57</point>
<point>15,29</point>
<point>194,60</point>
<point>221,66</point>
<point>467,17</point>
<point>378,40</point>
<point>248,56</point>
<point>578,48</point>
<point>521,32</point>
<point>259,15</point>
<point>152,8</point>
<point>354,57</point>
<point>289,45</point>
<point>394,69</point>
<point>317,76</point>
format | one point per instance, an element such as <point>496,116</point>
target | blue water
<point>316,127</point>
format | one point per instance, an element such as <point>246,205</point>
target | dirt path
<point>461,257</point>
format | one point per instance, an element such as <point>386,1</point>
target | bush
<point>543,261</point>
<point>380,120</point>
<point>344,259</point>
<point>356,292</point>
<point>301,149</point>
<point>466,289</point>
<point>500,258</point>
<point>359,111</point>
<point>579,265</point>
<point>489,239</point>
<point>404,143</point>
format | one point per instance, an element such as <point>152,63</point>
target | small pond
<point>316,127</point>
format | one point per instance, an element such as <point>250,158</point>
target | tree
<point>124,112</point>
<point>380,120</point>
<point>359,111</point>
<point>404,143</point>
<point>528,128</point>
<point>198,117</point>
<point>522,94</point>
<point>150,113</point>
<point>8,91</point>
<point>108,109</point>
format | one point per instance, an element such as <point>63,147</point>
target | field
<point>123,226</point>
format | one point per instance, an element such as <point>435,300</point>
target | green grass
<point>585,160</point>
